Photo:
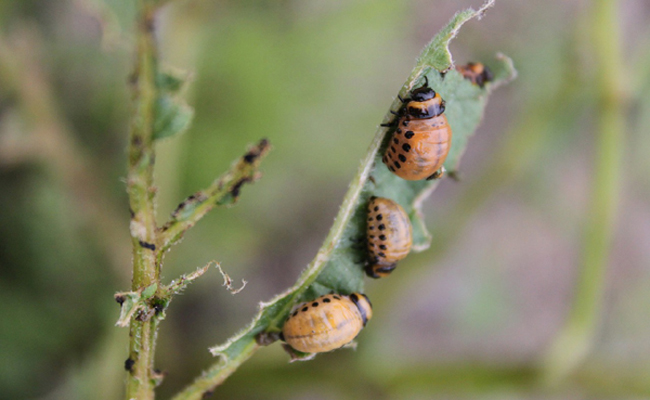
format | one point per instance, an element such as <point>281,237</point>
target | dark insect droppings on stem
<point>255,152</point>
<point>146,245</point>
<point>128,364</point>
<point>237,186</point>
<point>159,308</point>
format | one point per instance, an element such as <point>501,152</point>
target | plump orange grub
<point>422,139</point>
<point>389,236</point>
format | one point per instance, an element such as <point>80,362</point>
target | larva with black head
<point>422,138</point>
<point>389,236</point>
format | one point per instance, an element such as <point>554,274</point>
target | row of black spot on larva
<point>315,304</point>
<point>393,156</point>
<point>326,323</point>
<point>388,234</point>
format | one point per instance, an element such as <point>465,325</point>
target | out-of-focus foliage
<point>468,318</point>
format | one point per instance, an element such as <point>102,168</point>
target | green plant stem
<point>203,386</point>
<point>576,337</point>
<point>140,379</point>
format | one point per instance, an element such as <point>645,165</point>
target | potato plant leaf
<point>337,267</point>
<point>173,115</point>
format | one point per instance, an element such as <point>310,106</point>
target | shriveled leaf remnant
<point>227,281</point>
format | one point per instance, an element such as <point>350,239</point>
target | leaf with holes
<point>336,267</point>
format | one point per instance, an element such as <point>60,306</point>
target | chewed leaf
<point>149,291</point>
<point>173,116</point>
<point>130,303</point>
<point>172,80</point>
<point>436,54</point>
<point>338,266</point>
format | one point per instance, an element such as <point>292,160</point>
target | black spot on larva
<point>381,254</point>
<point>372,244</point>
<point>326,300</point>
<point>409,134</point>
<point>370,219</point>
<point>393,149</point>
<point>406,147</point>
<point>337,297</point>
<point>371,236</point>
<point>406,122</point>
<point>398,131</point>
<point>382,237</point>
<point>128,364</point>
<point>305,309</point>
<point>381,227</point>
<point>354,297</point>
<point>380,217</point>
<point>314,304</point>
<point>396,140</point>
<point>371,228</point>
<point>382,246</point>
<point>392,169</point>
<point>376,208</point>
<point>402,158</point>
<point>397,164</point>
<point>294,313</point>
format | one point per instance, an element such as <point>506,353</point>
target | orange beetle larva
<point>477,73</point>
<point>389,236</point>
<point>422,138</point>
<point>326,323</point>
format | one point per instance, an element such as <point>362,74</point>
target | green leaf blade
<point>338,266</point>
<point>173,116</point>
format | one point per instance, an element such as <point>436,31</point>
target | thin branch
<point>223,191</point>
<point>204,386</point>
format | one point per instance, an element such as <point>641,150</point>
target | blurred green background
<point>470,318</point>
